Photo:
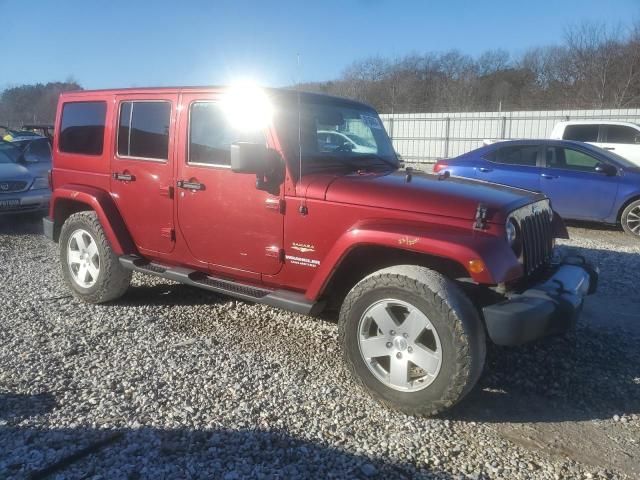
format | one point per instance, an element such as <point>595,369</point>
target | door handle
<point>188,185</point>
<point>123,177</point>
<point>485,169</point>
<point>548,176</point>
<point>609,148</point>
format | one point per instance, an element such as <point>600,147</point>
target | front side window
<point>82,127</point>
<point>581,133</point>
<point>569,159</point>
<point>143,130</point>
<point>622,134</point>
<point>516,155</point>
<point>211,134</point>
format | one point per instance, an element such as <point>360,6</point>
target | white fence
<point>426,137</point>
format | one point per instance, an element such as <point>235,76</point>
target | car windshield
<point>334,133</point>
<point>9,153</point>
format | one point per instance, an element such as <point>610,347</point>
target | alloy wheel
<point>83,258</point>
<point>633,220</point>
<point>399,345</point>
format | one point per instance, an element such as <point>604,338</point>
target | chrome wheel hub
<point>83,259</point>
<point>399,345</point>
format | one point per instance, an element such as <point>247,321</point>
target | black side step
<point>285,299</point>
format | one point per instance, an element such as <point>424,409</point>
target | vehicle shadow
<point>21,224</point>
<point>37,452</point>
<point>165,293</point>
<point>587,375</point>
<point>15,407</point>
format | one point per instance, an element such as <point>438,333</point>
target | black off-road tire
<point>113,279</point>
<point>628,214</point>
<point>451,313</point>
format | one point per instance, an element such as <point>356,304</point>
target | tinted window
<point>581,133</point>
<point>82,127</point>
<point>568,159</point>
<point>622,134</point>
<point>516,155</point>
<point>211,135</point>
<point>143,130</point>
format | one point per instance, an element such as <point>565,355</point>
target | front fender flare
<point>101,202</point>
<point>453,243</point>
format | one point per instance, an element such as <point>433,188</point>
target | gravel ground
<point>173,382</point>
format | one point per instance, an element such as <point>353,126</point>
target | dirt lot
<point>172,382</point>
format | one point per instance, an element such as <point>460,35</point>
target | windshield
<point>334,133</point>
<point>9,153</point>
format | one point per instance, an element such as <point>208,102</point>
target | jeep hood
<point>420,193</point>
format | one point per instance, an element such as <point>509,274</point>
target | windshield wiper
<point>373,156</point>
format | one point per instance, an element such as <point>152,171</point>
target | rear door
<point>225,220</point>
<point>142,169</point>
<point>513,165</point>
<point>586,132</point>
<point>576,190</point>
<point>623,140</point>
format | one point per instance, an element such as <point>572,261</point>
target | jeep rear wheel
<point>89,266</point>
<point>630,219</point>
<point>412,339</point>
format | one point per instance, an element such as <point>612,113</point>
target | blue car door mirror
<point>606,169</point>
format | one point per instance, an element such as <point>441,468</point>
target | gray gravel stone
<point>202,386</point>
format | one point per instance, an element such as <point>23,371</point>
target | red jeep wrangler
<point>298,201</point>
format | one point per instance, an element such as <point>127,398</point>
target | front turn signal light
<point>476,266</point>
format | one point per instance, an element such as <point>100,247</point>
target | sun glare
<point>247,106</point>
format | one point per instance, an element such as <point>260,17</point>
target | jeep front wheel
<point>89,266</point>
<point>412,339</point>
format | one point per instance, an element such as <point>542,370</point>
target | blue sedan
<point>583,182</point>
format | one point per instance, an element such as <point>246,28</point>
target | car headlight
<point>512,233</point>
<point>40,183</point>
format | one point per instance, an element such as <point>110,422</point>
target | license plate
<point>4,204</point>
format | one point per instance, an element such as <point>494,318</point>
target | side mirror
<point>636,139</point>
<point>253,158</point>
<point>606,169</point>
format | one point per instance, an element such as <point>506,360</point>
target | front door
<point>141,169</point>
<point>225,220</point>
<point>576,190</point>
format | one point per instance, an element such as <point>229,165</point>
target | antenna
<point>303,202</point>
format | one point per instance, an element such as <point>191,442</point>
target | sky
<point>114,43</point>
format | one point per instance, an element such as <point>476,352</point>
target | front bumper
<point>548,308</point>
<point>27,201</point>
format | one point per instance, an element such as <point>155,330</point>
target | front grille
<point>536,234</point>
<point>11,186</point>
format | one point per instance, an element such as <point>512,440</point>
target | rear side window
<point>143,130</point>
<point>516,155</point>
<point>82,127</point>
<point>581,133</point>
<point>622,134</point>
<point>211,135</point>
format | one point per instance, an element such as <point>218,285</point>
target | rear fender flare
<point>101,202</point>
<point>451,243</point>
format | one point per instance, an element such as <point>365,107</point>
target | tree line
<point>594,67</point>
<point>32,104</point>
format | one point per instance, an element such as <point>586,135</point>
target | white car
<point>622,138</point>
<point>330,140</point>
